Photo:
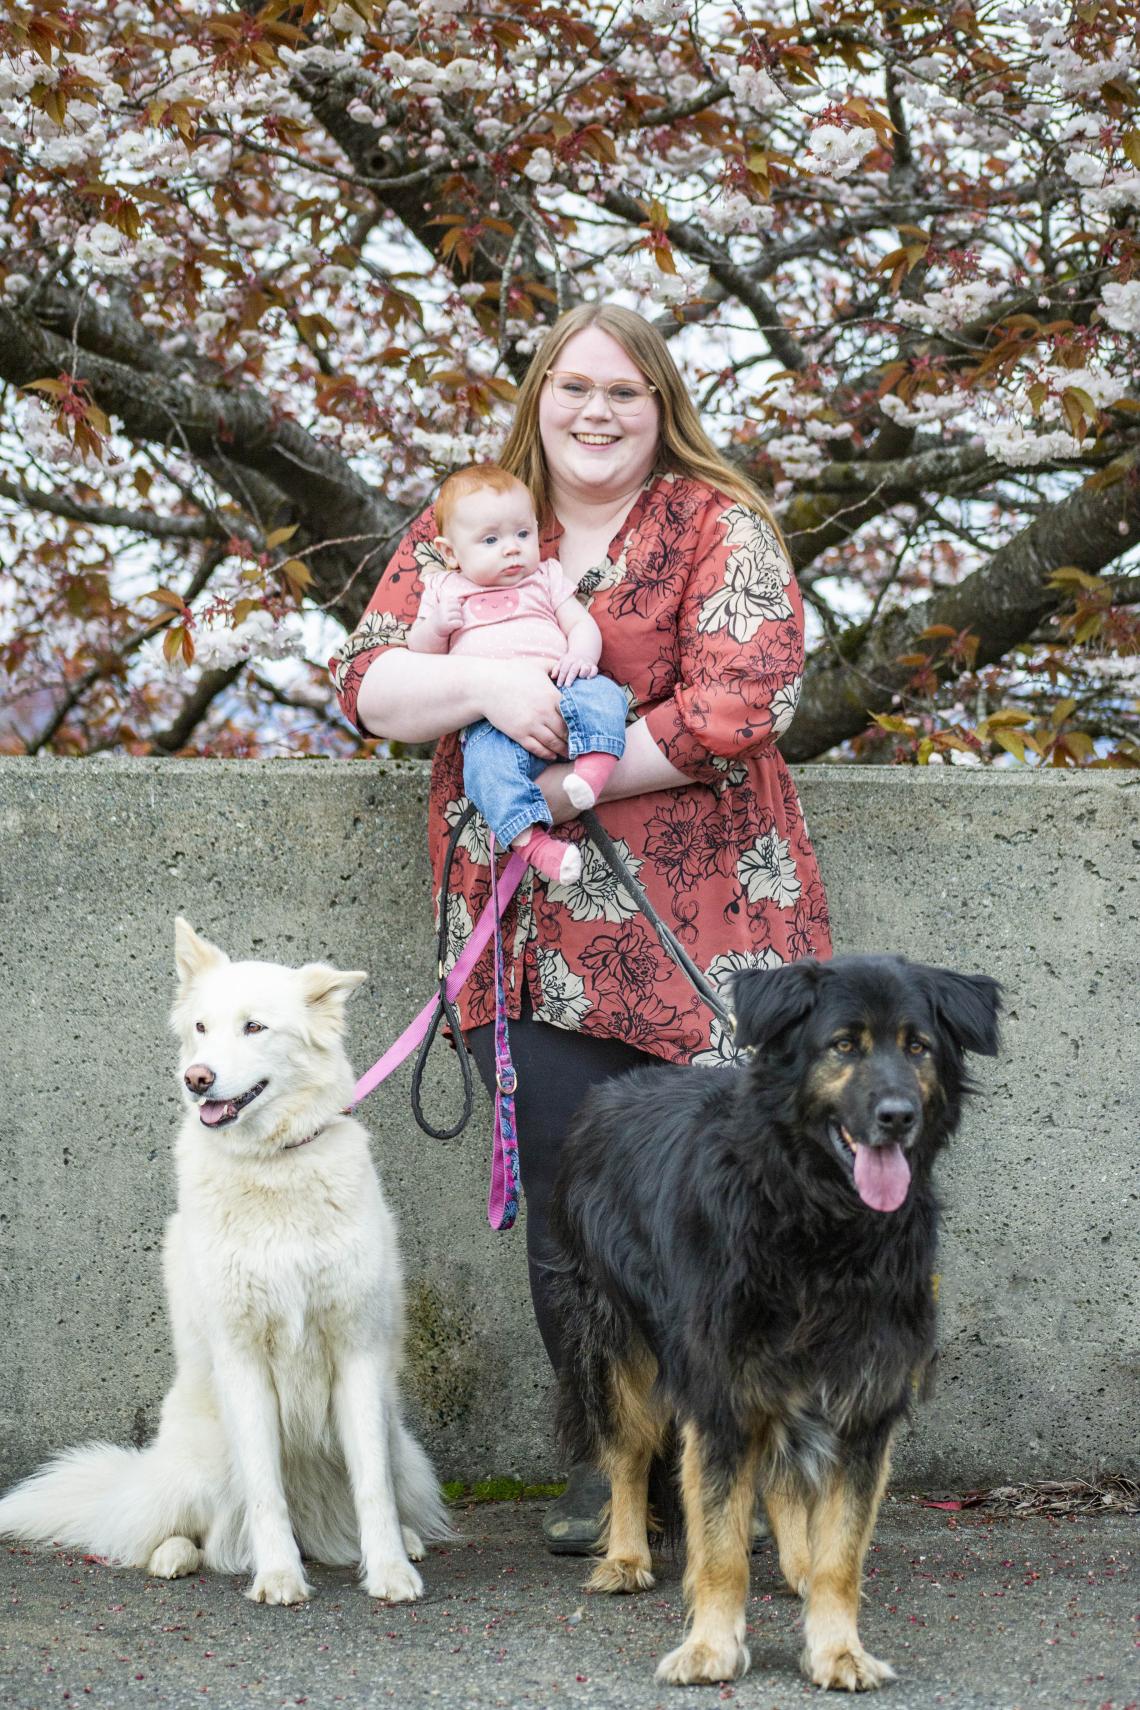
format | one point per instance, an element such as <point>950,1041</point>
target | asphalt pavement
<point>975,1612</point>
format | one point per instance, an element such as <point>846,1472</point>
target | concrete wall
<point>1031,878</point>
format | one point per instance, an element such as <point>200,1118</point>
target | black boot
<point>572,1524</point>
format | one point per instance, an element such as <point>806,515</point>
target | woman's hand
<point>522,702</point>
<point>417,697</point>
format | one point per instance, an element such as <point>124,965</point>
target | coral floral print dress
<point>702,626</point>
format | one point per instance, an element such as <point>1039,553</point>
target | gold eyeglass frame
<point>600,386</point>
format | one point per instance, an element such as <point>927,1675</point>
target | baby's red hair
<point>470,480</point>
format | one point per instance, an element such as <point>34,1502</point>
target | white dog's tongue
<point>882,1176</point>
<point>215,1110</point>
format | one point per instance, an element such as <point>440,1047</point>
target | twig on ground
<point>1112,1493</point>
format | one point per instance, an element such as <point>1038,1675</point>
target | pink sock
<point>587,778</point>
<point>550,856</point>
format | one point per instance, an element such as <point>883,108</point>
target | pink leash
<point>502,1204</point>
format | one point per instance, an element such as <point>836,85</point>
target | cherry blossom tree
<point>267,272</point>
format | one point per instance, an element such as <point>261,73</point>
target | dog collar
<point>293,1144</point>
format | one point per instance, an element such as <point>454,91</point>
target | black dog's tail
<point>581,1437</point>
<point>666,1516</point>
<point>592,1337</point>
<point>595,1341</point>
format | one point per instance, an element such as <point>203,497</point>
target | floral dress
<point>702,626</point>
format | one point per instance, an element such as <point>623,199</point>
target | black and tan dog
<point>747,1253</point>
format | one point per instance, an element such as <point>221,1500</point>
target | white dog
<point>282,1433</point>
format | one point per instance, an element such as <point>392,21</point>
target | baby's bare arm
<point>434,627</point>
<point>583,644</point>
<point>426,636</point>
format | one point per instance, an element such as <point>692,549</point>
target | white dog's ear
<point>193,955</point>
<point>326,990</point>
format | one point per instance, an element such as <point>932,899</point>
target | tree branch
<point>230,428</point>
<point>952,468</point>
<point>109,516</point>
<point>316,708</point>
<point>114,661</point>
<point>400,181</point>
<point>1001,603</point>
<point>656,117</point>
<point>739,282</point>
<point>195,707</point>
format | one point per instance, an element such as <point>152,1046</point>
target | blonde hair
<point>472,478</point>
<point>683,447</point>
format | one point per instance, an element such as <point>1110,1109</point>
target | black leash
<point>446,1009</point>
<point>669,942</point>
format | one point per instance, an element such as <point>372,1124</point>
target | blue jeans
<point>499,774</point>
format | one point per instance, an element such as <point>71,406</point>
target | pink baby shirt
<point>505,623</point>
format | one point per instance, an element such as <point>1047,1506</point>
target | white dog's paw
<point>395,1582</point>
<point>174,1558</point>
<point>698,1663</point>
<point>413,1544</point>
<point>280,1585</point>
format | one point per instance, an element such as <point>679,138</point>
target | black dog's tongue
<point>882,1176</point>
<point>216,1110</point>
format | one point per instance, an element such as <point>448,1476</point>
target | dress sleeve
<point>389,614</point>
<point>740,646</point>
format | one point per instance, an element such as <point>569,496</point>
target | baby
<point>497,600</point>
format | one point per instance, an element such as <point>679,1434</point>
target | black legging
<point>555,1071</point>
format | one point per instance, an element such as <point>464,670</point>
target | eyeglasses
<point>625,397</point>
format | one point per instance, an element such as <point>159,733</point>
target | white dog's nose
<point>199,1078</point>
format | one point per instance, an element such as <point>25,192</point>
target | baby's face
<point>494,537</point>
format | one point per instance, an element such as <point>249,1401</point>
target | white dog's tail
<point>111,1502</point>
<point>418,1496</point>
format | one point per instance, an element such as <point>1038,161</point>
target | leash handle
<point>441,1004</point>
<point>445,1007</point>
<point>503,1194</point>
<point>669,943</point>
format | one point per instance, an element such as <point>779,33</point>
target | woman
<point>679,562</point>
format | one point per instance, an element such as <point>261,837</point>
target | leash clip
<point>506,1079</point>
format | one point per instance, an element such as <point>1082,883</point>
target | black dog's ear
<point>768,1000</point>
<point>968,1007</point>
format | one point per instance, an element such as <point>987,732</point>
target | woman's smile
<point>592,453</point>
